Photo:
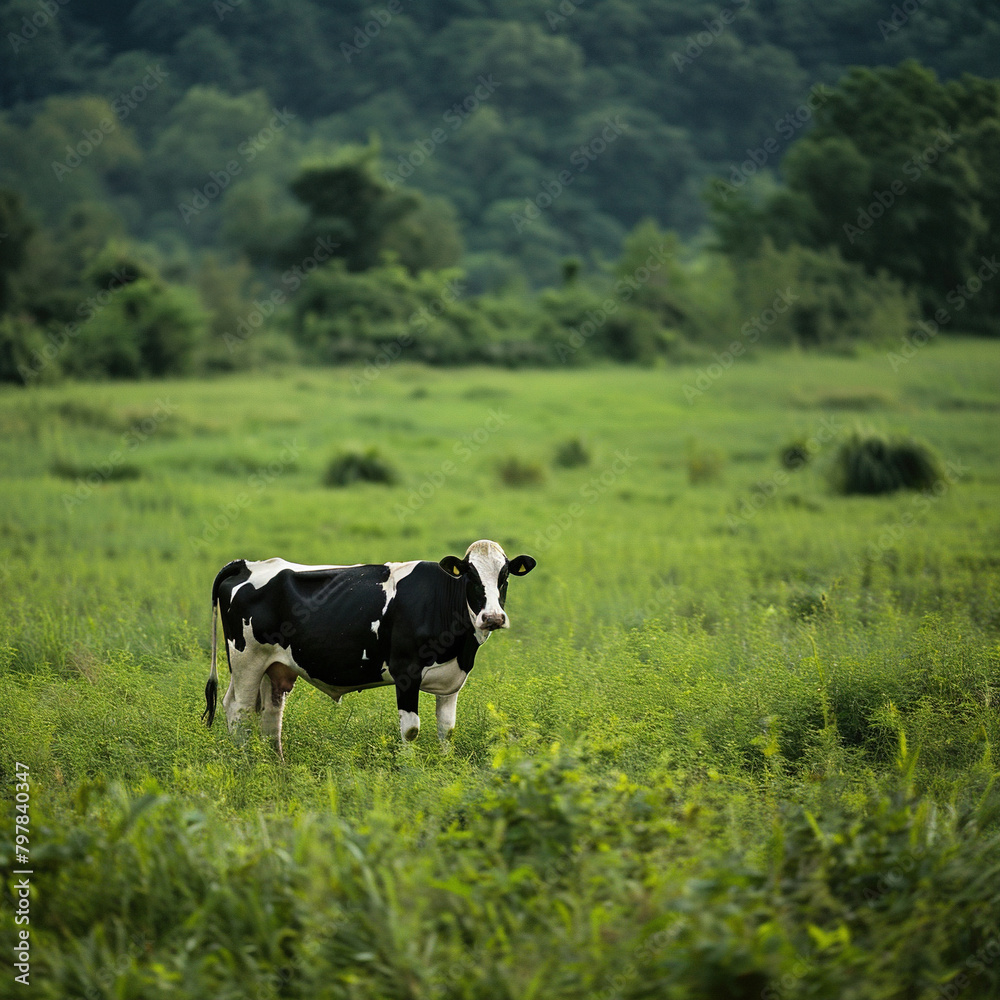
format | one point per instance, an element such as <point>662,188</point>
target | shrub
<point>385,312</point>
<point>359,467</point>
<point>514,471</point>
<point>21,347</point>
<point>795,454</point>
<point>571,454</point>
<point>66,468</point>
<point>816,299</point>
<point>874,464</point>
<point>146,328</point>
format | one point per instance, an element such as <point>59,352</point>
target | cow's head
<point>485,570</point>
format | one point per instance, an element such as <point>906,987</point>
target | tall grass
<point>677,772</point>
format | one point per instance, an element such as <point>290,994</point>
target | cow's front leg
<point>408,701</point>
<point>446,706</point>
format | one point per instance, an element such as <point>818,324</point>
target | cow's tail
<point>212,684</point>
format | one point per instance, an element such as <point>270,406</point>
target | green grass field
<point>739,741</point>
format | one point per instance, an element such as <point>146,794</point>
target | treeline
<point>188,187</point>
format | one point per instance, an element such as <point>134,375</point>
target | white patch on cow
<point>397,571</point>
<point>265,570</point>
<point>443,678</point>
<point>386,676</point>
<point>409,724</point>
<point>268,652</point>
<point>489,560</point>
<point>375,625</point>
<point>364,655</point>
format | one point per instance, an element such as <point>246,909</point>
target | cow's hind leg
<point>244,688</point>
<point>277,681</point>
<point>446,707</point>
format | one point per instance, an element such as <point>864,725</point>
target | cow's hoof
<point>411,734</point>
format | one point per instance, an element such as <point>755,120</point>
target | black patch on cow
<point>474,590</point>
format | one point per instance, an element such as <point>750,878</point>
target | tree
<point>351,205</point>
<point>15,231</point>
<point>900,173</point>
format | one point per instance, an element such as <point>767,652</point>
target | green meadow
<point>739,741</point>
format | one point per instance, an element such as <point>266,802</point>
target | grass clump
<point>514,471</point>
<point>108,472</point>
<point>704,462</point>
<point>795,454</point>
<point>873,464</point>
<point>571,454</point>
<point>359,467</point>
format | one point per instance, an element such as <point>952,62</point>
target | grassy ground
<point>711,649</point>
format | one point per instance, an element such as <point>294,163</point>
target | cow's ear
<point>452,565</point>
<point>522,565</point>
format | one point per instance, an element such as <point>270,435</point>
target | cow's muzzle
<point>490,623</point>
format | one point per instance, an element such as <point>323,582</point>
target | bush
<point>816,299</point>
<point>571,454</point>
<point>146,328</point>
<point>794,455</point>
<point>382,313</point>
<point>359,467</point>
<point>65,468</point>
<point>875,464</point>
<point>515,472</point>
<point>21,352</point>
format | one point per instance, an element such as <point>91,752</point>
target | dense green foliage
<point>739,740</point>
<point>872,464</point>
<point>900,172</point>
<point>456,161</point>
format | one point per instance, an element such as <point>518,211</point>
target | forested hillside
<point>205,150</point>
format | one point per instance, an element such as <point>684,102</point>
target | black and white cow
<point>416,625</point>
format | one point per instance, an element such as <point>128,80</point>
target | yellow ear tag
<point>456,571</point>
